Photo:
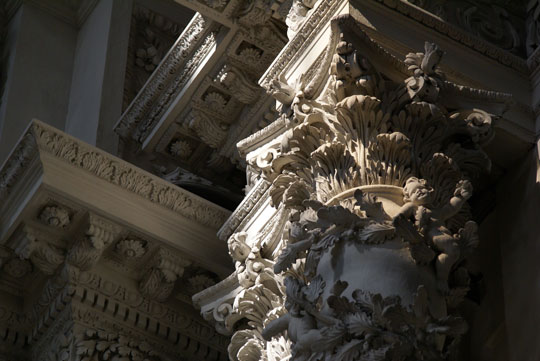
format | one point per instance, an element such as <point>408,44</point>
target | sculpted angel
<point>308,329</point>
<point>431,222</point>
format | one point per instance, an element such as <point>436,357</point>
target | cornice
<point>250,203</point>
<point>317,20</point>
<point>386,63</point>
<point>259,138</point>
<point>43,139</point>
<point>178,65</point>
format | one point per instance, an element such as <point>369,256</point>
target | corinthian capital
<point>376,176</point>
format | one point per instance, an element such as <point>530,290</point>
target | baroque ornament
<point>131,248</point>
<point>44,138</point>
<point>375,173</point>
<point>181,149</point>
<point>55,216</point>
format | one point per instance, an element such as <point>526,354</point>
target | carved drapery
<point>371,182</point>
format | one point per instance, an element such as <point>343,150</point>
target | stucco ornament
<point>376,175</point>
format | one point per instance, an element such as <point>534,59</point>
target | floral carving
<point>373,172</point>
<point>45,256</point>
<point>260,302</point>
<point>151,36</point>
<point>216,4</point>
<point>131,248</point>
<point>181,148</point>
<point>215,101</point>
<point>55,216</point>
<point>251,55</point>
<point>117,172</point>
<point>297,16</point>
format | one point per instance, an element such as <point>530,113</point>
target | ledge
<point>50,166</point>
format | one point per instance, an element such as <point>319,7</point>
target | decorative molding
<point>248,205</point>
<point>98,344</point>
<point>108,168</point>
<point>178,65</point>
<point>150,38</point>
<point>493,21</point>
<point>75,302</point>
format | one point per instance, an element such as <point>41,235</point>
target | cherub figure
<point>300,323</point>
<point>417,198</point>
<point>301,328</point>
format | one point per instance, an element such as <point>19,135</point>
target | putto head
<point>417,191</point>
